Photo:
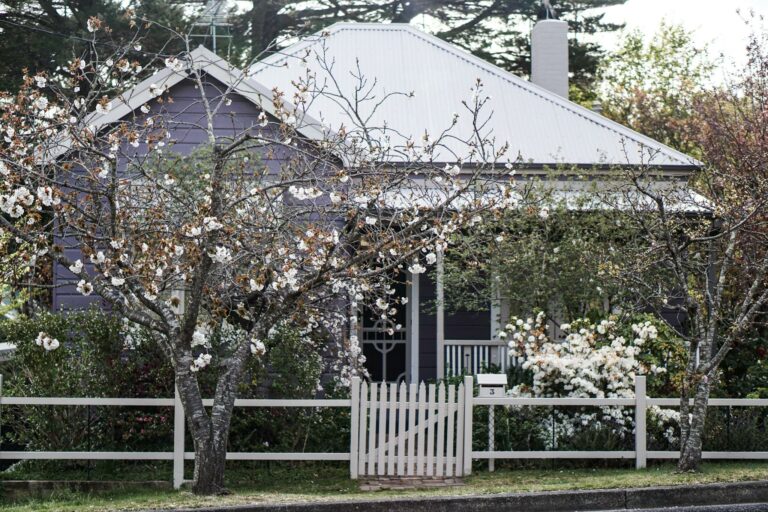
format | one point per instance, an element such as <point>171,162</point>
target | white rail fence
<point>177,455</point>
<point>395,430</point>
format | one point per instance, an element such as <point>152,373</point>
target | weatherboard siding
<point>185,115</point>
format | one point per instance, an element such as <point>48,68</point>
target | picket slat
<point>412,397</point>
<point>392,434</point>
<point>440,430</point>
<point>372,431</point>
<point>363,430</point>
<point>354,437</point>
<point>382,460</point>
<point>431,432</point>
<point>402,399</point>
<point>449,449</point>
<point>422,420</point>
<point>460,432</point>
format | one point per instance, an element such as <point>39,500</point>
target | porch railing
<point>475,356</point>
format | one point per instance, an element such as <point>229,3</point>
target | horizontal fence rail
<point>640,402</point>
<point>178,455</point>
<point>397,430</point>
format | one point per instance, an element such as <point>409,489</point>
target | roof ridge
<point>547,95</point>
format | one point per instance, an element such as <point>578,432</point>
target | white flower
<point>201,362</point>
<point>544,213</point>
<point>255,286</point>
<point>431,258</point>
<point>257,347</point>
<point>263,121</point>
<point>84,288</point>
<point>212,224</point>
<point>371,221</point>
<point>40,81</point>
<point>117,281</point>
<point>304,193</point>
<point>194,232</point>
<point>221,255</point>
<point>98,258</point>
<point>335,198</point>
<point>46,341</point>
<point>4,170</point>
<point>174,64</point>
<point>41,103</point>
<point>93,24</point>
<point>45,195</point>
<point>454,170</point>
<point>103,107</point>
<point>76,267</point>
<point>199,339</point>
<point>145,109</point>
<point>417,268</point>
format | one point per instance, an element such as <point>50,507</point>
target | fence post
<point>178,440</point>
<point>640,423</point>
<point>354,428</point>
<point>468,406</point>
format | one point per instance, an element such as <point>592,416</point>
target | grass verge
<point>256,483</point>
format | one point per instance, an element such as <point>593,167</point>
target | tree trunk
<point>210,432</point>
<point>692,427</point>
<point>210,461</point>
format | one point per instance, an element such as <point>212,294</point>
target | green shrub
<point>94,361</point>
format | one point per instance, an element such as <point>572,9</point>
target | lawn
<point>283,483</point>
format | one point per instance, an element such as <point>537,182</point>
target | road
<point>758,507</point>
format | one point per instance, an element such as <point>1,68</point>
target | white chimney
<point>549,56</point>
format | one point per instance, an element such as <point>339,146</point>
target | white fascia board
<point>203,60</point>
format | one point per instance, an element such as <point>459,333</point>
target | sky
<point>714,22</point>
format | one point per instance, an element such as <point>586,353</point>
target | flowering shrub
<point>594,361</point>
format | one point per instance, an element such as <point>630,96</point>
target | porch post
<point>413,328</point>
<point>495,353</point>
<point>440,317</point>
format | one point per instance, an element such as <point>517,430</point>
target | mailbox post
<point>491,385</point>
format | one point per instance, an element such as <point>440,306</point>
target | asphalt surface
<point>757,507</point>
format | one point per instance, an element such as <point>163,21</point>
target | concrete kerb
<point>555,501</point>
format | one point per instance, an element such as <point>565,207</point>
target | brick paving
<point>407,482</point>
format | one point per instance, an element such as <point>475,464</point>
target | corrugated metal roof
<point>541,127</point>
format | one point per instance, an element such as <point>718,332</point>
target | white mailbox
<point>492,384</point>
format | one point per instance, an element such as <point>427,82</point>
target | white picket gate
<point>404,430</point>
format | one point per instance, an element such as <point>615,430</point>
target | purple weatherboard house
<point>541,125</point>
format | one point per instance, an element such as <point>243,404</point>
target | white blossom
<point>257,347</point>
<point>174,64</point>
<point>221,254</point>
<point>46,341</point>
<point>212,224</point>
<point>76,267</point>
<point>84,287</point>
<point>199,339</point>
<point>417,268</point>
<point>201,362</point>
